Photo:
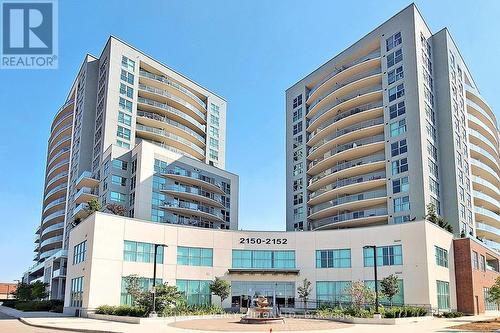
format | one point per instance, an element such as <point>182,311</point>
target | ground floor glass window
<point>242,293</point>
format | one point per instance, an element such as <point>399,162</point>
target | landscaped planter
<point>383,321</point>
<point>146,320</point>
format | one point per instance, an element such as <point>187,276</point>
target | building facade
<point>140,139</point>
<point>104,249</point>
<point>390,125</point>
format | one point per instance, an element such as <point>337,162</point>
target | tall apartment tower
<point>142,140</point>
<point>390,125</point>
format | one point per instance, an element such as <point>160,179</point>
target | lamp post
<point>153,313</point>
<point>374,247</point>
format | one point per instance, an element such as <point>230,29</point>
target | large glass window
<point>475,260</point>
<point>396,92</point>
<point>128,63</point>
<point>263,259</point>
<point>127,77</point>
<point>398,299</point>
<point>194,256</point>
<point>124,118</point>
<point>398,148</point>
<point>76,296</point>
<point>395,75</point>
<point>126,90</point>
<point>242,292</point>
<point>397,109</point>
<point>332,292</point>
<point>401,204</point>
<point>393,41</point>
<point>79,252</point>
<point>117,197</point>
<point>394,57</point>
<point>118,180</point>
<point>141,252</point>
<point>441,256</point>
<point>400,166</point>
<point>338,258</point>
<point>123,132</point>
<point>145,284</point>
<point>125,105</point>
<point>400,185</point>
<point>386,256</point>
<point>196,292</point>
<point>443,294</point>
<point>398,127</point>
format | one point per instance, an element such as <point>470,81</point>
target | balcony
<point>484,171</point>
<point>190,208</point>
<point>85,194</point>
<point>52,230</point>
<point>351,202</point>
<point>476,114</point>
<point>57,180</point>
<point>62,142</point>
<point>192,193</point>
<point>478,139</point>
<point>53,218</point>
<point>484,200</point>
<point>473,96</point>
<point>170,83</point>
<point>54,205</point>
<point>51,243</point>
<point>367,217</point>
<point>172,139</point>
<point>371,60</point>
<point>368,96</point>
<point>86,180</point>
<point>484,156</point>
<point>154,119</point>
<point>56,190</point>
<point>345,119</point>
<point>47,254</point>
<point>168,147</point>
<point>62,112</point>
<point>485,186</point>
<point>66,130</point>
<point>357,131</point>
<point>172,112</point>
<point>349,151</point>
<point>487,216</point>
<point>362,183</point>
<point>64,152</point>
<point>487,231</point>
<point>80,211</point>
<point>194,178</point>
<point>61,272</point>
<point>179,103</point>
<point>61,166</point>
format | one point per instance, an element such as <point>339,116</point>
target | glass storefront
<point>242,293</point>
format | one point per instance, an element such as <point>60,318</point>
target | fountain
<point>260,312</point>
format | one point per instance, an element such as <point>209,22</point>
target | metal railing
<point>193,206</point>
<point>348,181</point>
<point>170,136</point>
<point>155,116</point>
<point>348,199</point>
<point>332,220</point>
<point>191,190</point>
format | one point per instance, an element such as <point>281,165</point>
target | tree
<point>167,297</point>
<point>93,206</point>
<point>304,291</point>
<point>23,292</point>
<point>221,288</point>
<point>116,209</point>
<point>29,292</point>
<point>360,294</point>
<point>133,288</point>
<point>39,290</point>
<point>433,217</point>
<point>494,292</point>
<point>389,287</point>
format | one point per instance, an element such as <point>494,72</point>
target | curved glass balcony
<point>56,189</point>
<point>168,147</point>
<point>47,254</point>
<point>481,139</point>
<point>51,241</point>
<point>494,202</point>
<point>57,166</point>
<point>476,111</point>
<point>59,131</point>
<point>348,199</point>
<point>60,113</point>
<point>194,193</point>
<point>194,209</point>
<point>489,228</point>
<point>64,139</point>
<point>59,154</point>
<point>56,202</point>
<point>475,97</point>
<point>53,216</point>
<point>479,125</point>
<point>490,174</point>
<point>474,150</point>
<point>358,218</point>
<point>173,84</point>
<point>64,117</point>
<point>487,213</point>
<point>57,177</point>
<point>485,183</point>
<point>54,227</point>
<point>194,178</point>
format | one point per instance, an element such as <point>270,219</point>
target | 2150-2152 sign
<point>267,241</point>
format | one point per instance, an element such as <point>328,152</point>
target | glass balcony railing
<point>338,101</point>
<point>345,165</point>
<point>479,121</point>
<point>194,175</point>
<point>484,139</point>
<point>479,180</point>
<point>340,69</point>
<point>172,149</point>
<point>155,116</point>
<point>51,240</point>
<point>192,190</point>
<point>487,212</point>
<point>170,136</point>
<point>343,217</point>
<point>486,197</point>
<point>355,127</point>
<point>173,84</point>
<point>47,254</point>
<point>56,145</point>
<point>343,115</point>
<point>348,181</point>
<point>487,227</point>
<point>59,131</point>
<point>351,145</point>
<point>56,178</point>
<point>348,199</point>
<point>63,162</point>
<point>86,190</point>
<point>194,207</point>
<point>52,228</point>
<point>61,152</point>
<point>56,189</point>
<point>483,152</point>
<point>347,81</point>
<point>59,213</point>
<point>172,110</point>
<point>484,166</point>
<point>62,118</point>
<point>69,102</point>
<point>55,202</point>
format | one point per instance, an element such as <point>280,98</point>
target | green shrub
<point>192,310</point>
<point>405,311</point>
<point>451,314</point>
<point>121,310</point>
<point>49,305</point>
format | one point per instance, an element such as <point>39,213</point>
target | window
<point>214,143</point>
<point>297,101</point>
<point>117,196</point>
<point>194,256</point>
<point>214,154</point>
<point>297,155</point>
<point>482,263</point>
<point>128,64</point>
<point>76,297</point>
<point>196,292</point>
<point>393,41</point>
<point>123,132</point>
<point>125,105</point>
<point>399,166</point>
<point>475,260</point>
<point>298,184</point>
<point>297,142</point>
<point>214,120</point>
<point>298,199</point>
<point>117,180</point>
<point>145,284</point>
<point>214,131</point>
<point>127,77</point>
<point>339,258</point>
<point>401,204</point>
<point>394,57</point>
<point>332,291</point>
<point>124,118</point>
<point>432,150</point>
<point>126,90</point>
<point>401,219</point>
<point>396,110</point>
<point>120,143</point>
<point>79,252</point>
<point>396,92</point>
<point>395,75</point>
<point>298,213</point>
<point>386,256</point>
<point>398,127</point>
<point>263,259</point>
<point>400,185</point>
<point>431,130</point>
<point>398,148</point>
<point>434,186</point>
<point>436,204</point>
<point>297,128</point>
<point>141,252</point>
<point>119,164</point>
<point>443,294</point>
<point>297,114</point>
<point>298,169</point>
<point>441,256</point>
<point>398,299</point>
<point>433,168</point>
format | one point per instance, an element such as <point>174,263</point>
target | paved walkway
<point>10,324</point>
<point>61,322</point>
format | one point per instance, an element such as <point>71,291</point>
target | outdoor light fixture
<point>153,313</point>
<point>374,247</point>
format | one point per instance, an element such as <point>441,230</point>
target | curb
<point>83,330</point>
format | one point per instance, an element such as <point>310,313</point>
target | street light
<point>153,313</point>
<point>374,247</point>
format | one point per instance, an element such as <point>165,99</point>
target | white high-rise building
<point>390,125</point>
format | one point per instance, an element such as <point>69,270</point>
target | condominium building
<point>140,139</point>
<point>390,125</point>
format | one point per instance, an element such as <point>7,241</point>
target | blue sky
<point>249,52</point>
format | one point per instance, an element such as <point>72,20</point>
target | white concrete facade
<point>104,266</point>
